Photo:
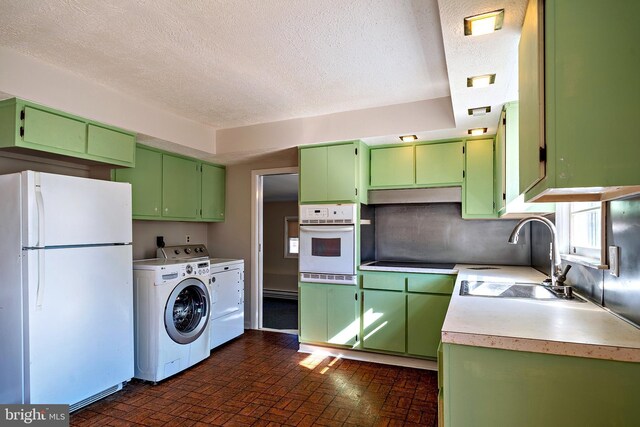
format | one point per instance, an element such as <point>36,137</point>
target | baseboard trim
<point>385,359</point>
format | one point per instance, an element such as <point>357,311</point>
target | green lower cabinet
<point>146,183</point>
<point>328,314</point>
<point>493,387</point>
<point>383,318</point>
<point>477,191</point>
<point>425,316</point>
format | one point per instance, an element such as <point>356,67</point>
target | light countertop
<point>561,327</point>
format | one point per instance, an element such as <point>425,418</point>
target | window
<point>581,231</point>
<point>291,240</point>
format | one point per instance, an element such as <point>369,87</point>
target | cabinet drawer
<point>111,144</point>
<point>431,283</point>
<point>385,281</point>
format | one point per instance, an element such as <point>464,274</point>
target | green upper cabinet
<point>180,187</point>
<point>333,173</point>
<point>509,202</point>
<point>172,187</point>
<point>392,167</point>
<point>213,192</point>
<point>578,98</point>
<point>439,164</point>
<point>477,191</point>
<point>146,183</point>
<point>29,126</point>
<point>425,316</point>
<point>328,314</point>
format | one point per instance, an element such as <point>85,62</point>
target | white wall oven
<point>327,244</point>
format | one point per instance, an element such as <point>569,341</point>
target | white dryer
<point>171,310</point>
<point>226,287</point>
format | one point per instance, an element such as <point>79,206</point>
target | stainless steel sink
<point>512,290</point>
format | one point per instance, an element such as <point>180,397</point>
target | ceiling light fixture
<point>408,138</point>
<point>479,111</point>
<point>477,131</point>
<point>481,81</point>
<point>484,23</point>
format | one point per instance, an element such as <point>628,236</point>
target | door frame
<point>257,262</point>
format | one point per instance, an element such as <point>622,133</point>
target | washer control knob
<point>189,269</point>
<point>187,251</point>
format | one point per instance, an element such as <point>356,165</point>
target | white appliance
<point>66,297</point>
<point>171,316</point>
<point>226,287</point>
<point>327,243</point>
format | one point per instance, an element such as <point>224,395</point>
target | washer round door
<point>186,314</point>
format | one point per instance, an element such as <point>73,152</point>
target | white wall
<point>31,79</point>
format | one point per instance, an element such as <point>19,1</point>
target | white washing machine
<point>171,310</point>
<point>226,290</point>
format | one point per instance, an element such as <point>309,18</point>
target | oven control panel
<point>328,214</point>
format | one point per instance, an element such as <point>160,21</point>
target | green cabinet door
<point>58,133</point>
<point>477,197</point>
<point>313,174</point>
<point>111,144</point>
<point>439,164</point>
<point>312,305</point>
<point>146,183</point>
<point>384,321</point>
<point>392,167</point>
<point>425,316</point>
<point>342,320</point>
<point>501,164</point>
<point>341,173</point>
<point>213,192</point>
<point>180,188</point>
<point>328,313</point>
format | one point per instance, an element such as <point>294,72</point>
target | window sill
<point>585,261</point>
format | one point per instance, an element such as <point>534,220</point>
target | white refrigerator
<point>66,289</point>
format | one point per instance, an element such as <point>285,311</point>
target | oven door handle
<point>325,229</point>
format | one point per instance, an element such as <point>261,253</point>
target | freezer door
<point>79,339</point>
<point>65,211</point>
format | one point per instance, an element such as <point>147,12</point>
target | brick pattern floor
<point>260,379</point>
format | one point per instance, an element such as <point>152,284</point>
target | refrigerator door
<point>65,211</point>
<point>79,339</point>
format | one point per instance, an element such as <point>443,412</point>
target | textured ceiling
<point>233,63</point>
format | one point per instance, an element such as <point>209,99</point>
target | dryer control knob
<point>177,251</point>
<point>187,251</point>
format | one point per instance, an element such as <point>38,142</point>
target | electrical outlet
<point>614,261</point>
<point>187,238</point>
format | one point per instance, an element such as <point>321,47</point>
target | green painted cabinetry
<point>439,164</point>
<point>393,167</point>
<point>180,187</point>
<point>333,173</point>
<point>328,313</point>
<point>495,387</point>
<point>170,187</point>
<point>146,183</point>
<point>30,127</point>
<point>477,191</point>
<point>579,98</point>
<point>509,202</point>
<point>213,192</point>
<point>404,312</point>
<point>383,318</point>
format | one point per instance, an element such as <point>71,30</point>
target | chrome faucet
<point>554,255</point>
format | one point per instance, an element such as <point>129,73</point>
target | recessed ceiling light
<point>484,23</point>
<point>408,138</point>
<point>477,131</point>
<point>480,111</point>
<point>481,81</point>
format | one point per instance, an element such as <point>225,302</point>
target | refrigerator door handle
<point>40,208</point>
<point>40,290</point>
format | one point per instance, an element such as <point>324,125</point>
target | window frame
<point>590,257</point>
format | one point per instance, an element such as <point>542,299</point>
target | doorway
<point>275,246</point>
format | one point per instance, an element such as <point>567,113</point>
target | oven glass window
<point>325,247</point>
